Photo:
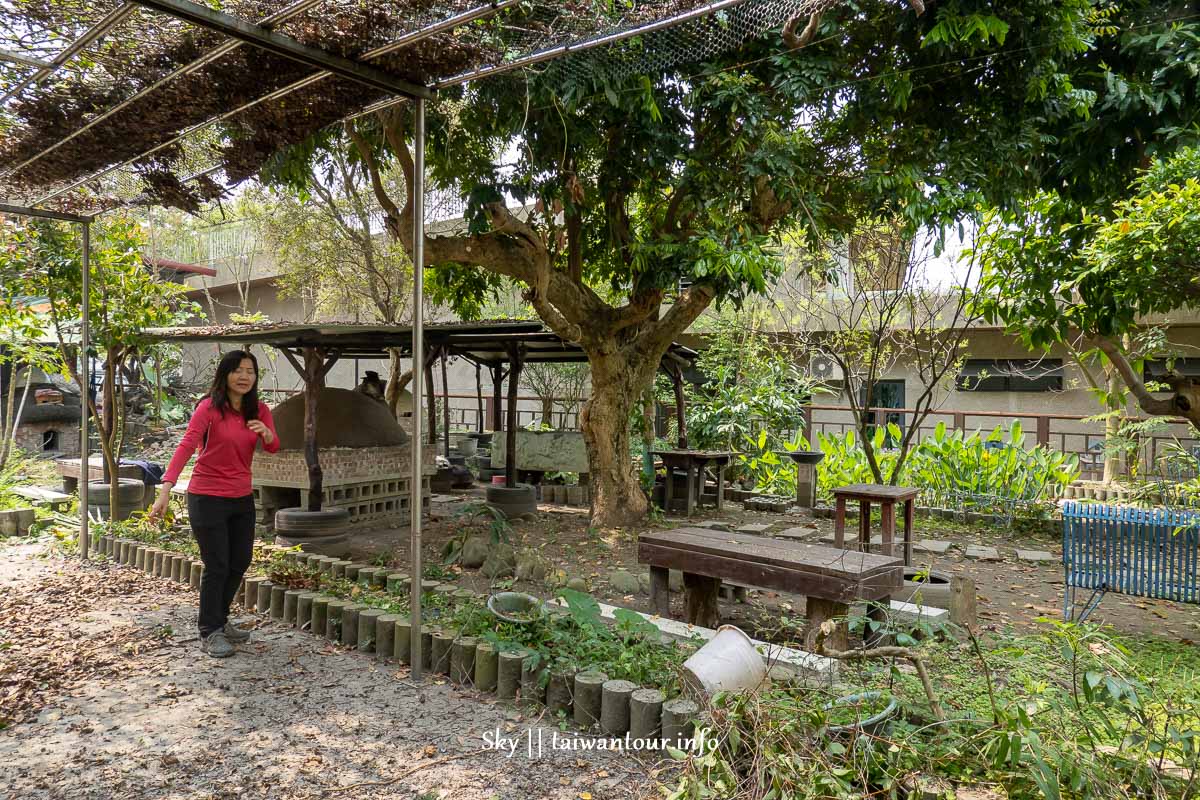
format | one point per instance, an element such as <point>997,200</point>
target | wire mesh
<point>160,111</point>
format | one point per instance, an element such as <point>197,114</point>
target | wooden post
<point>1043,430</point>
<point>430,403</point>
<point>479,398</point>
<point>962,601</point>
<point>515,355</point>
<point>808,427</point>
<point>497,398</point>
<point>446,399</point>
<point>680,408</point>
<point>312,393</point>
<point>660,591</point>
<point>700,592</point>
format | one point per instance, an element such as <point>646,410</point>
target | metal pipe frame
<point>85,470</point>
<point>311,79</point>
<point>272,42</point>
<point>275,95</point>
<point>26,211</point>
<point>25,61</point>
<point>449,23</point>
<point>416,483</point>
<point>282,15</point>
<point>569,49</point>
<point>106,23</point>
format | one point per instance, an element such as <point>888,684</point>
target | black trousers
<point>224,530</point>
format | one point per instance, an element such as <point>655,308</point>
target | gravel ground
<point>103,693</point>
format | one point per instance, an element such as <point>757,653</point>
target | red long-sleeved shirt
<point>223,468</point>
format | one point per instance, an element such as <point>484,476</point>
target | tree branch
<point>1185,402</point>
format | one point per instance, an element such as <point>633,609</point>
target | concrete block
<point>981,553</point>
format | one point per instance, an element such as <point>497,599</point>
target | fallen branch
<point>914,657</point>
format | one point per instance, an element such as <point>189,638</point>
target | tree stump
<point>701,593</point>
<point>589,692</point>
<point>486,666</point>
<point>402,646</point>
<point>614,706</point>
<point>645,713</point>
<point>385,637</point>
<point>462,660</point>
<point>508,679</point>
<point>442,643</point>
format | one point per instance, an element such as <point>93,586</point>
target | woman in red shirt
<point>227,425</point>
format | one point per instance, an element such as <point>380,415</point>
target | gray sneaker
<point>217,645</point>
<point>235,635</point>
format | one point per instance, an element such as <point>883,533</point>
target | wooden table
<point>694,462</point>
<point>829,578</point>
<point>71,470</point>
<point>886,497</point>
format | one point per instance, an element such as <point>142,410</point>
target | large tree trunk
<point>547,411</point>
<point>617,385</point>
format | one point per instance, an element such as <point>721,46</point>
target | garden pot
<point>515,607</point>
<point>131,494</point>
<point>875,724</point>
<point>926,588</point>
<point>728,662</point>
<point>468,446</point>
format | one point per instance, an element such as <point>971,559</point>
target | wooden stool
<point>886,497</point>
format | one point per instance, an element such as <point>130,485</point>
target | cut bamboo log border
<point>588,697</point>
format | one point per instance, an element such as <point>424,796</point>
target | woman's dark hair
<point>219,393</point>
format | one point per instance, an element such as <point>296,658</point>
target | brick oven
<point>50,430</point>
<point>365,457</point>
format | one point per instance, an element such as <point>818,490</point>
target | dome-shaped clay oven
<point>344,419</point>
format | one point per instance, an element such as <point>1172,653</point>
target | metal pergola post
<point>85,467</point>
<point>85,462</point>
<point>417,491</point>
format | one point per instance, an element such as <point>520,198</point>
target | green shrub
<point>954,469</point>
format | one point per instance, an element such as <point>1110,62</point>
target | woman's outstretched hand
<point>260,427</point>
<point>159,510</point>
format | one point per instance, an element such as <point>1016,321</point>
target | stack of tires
<point>513,502</point>
<point>324,532</point>
<point>131,497</point>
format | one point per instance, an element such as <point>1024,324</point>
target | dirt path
<point>105,695</point>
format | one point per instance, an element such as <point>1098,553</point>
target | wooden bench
<point>829,578</point>
<point>71,470</point>
<point>1133,551</point>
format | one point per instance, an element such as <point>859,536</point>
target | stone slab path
<point>288,718</point>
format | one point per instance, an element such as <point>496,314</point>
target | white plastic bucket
<point>728,663</point>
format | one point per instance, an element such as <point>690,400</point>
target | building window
<point>1011,375</point>
<point>1157,370</point>
<point>49,441</point>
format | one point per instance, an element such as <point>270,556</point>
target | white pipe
<point>85,466</point>
<point>418,360</point>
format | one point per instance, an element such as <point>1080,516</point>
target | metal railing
<point>1066,433</point>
